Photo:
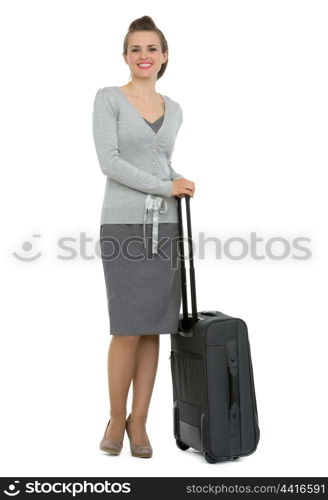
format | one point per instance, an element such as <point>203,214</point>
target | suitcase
<point>214,401</point>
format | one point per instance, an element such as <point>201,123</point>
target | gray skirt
<point>143,288</point>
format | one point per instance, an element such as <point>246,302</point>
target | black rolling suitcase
<point>214,402</point>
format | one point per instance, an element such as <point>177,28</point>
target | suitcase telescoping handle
<point>186,323</point>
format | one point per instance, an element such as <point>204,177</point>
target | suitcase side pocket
<point>188,375</point>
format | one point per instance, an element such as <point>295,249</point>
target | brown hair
<point>145,23</point>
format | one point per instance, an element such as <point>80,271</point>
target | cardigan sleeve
<point>104,126</point>
<point>176,175</point>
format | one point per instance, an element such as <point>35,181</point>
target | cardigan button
<point>154,149</point>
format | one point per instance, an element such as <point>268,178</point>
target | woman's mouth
<point>144,65</point>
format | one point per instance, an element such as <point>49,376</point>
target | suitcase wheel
<point>181,445</point>
<point>209,459</point>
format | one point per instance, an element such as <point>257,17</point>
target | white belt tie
<point>156,205</point>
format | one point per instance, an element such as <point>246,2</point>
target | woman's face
<point>144,47</point>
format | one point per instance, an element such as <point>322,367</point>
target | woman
<point>134,130</point>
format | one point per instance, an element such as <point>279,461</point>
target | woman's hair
<point>145,23</point>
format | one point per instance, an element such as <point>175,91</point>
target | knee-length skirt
<point>143,288</point>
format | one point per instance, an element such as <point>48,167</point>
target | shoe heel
<point>138,450</point>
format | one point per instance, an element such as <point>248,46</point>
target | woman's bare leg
<point>147,353</point>
<point>121,366</point>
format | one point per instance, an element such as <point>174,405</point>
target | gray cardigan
<point>136,160</point>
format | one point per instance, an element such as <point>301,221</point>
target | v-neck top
<point>156,125</point>
<point>135,156</point>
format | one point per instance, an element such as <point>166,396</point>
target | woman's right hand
<point>182,186</point>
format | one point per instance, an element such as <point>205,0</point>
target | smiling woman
<point>146,43</point>
<point>134,130</point>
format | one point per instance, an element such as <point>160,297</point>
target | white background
<point>251,77</point>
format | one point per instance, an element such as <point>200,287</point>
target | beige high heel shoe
<point>110,446</point>
<point>138,450</point>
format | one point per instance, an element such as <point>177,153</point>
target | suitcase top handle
<point>187,323</point>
